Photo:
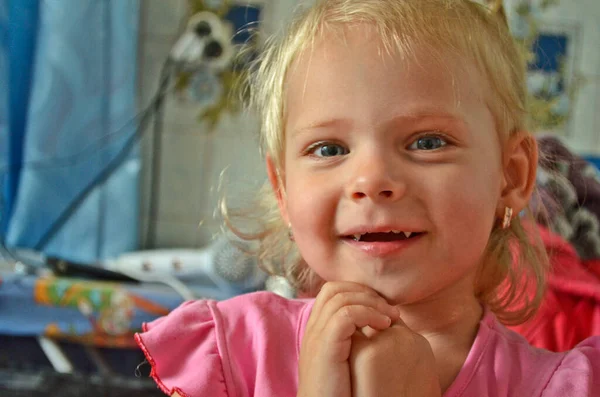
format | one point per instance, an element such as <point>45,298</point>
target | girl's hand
<point>395,362</point>
<point>341,308</point>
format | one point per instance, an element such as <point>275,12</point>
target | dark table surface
<point>51,384</point>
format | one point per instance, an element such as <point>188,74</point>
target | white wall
<point>586,119</point>
<point>193,161</point>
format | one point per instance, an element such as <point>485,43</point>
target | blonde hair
<point>514,287</point>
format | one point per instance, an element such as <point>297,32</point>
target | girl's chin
<point>390,293</point>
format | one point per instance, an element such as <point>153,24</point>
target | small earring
<point>290,233</point>
<point>508,212</point>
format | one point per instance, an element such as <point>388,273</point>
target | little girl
<point>398,160</point>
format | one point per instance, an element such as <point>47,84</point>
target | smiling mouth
<point>383,237</point>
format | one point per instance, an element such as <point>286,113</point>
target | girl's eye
<point>428,142</point>
<point>327,150</point>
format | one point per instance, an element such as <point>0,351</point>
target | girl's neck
<point>450,326</point>
<point>443,316</point>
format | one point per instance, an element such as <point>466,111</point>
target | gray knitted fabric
<point>568,200</point>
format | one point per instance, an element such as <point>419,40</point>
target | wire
<point>183,290</point>
<point>110,168</point>
<point>73,159</point>
<point>6,252</point>
<point>83,154</point>
<point>153,205</point>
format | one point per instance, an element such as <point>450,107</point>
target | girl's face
<point>377,145</point>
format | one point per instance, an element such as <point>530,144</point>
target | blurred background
<point>120,131</point>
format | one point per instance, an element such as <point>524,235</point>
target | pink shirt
<point>249,346</point>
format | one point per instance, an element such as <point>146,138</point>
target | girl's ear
<point>520,166</point>
<point>278,188</point>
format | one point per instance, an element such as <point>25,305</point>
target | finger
<point>358,298</point>
<point>344,299</point>
<point>336,338</point>
<point>349,319</point>
<point>398,322</point>
<point>327,292</point>
<point>331,289</point>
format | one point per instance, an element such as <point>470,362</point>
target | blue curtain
<point>67,108</point>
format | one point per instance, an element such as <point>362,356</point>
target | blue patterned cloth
<point>67,107</point>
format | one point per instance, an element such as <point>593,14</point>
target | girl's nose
<point>377,179</point>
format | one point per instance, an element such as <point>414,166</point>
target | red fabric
<point>570,311</point>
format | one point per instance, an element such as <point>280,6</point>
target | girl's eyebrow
<point>426,118</point>
<point>321,124</point>
<point>413,119</point>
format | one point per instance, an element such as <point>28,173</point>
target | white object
<point>189,50</point>
<point>221,264</point>
<point>55,355</point>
